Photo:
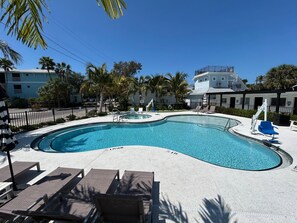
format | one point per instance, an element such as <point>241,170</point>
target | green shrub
<point>18,103</point>
<point>92,113</point>
<point>102,113</point>
<point>14,128</point>
<point>71,117</point>
<point>29,127</point>
<point>60,120</point>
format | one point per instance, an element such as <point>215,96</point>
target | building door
<point>232,102</point>
<point>295,107</point>
<point>258,102</point>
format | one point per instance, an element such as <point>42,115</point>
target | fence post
<point>53,110</point>
<point>86,110</point>
<point>72,111</point>
<point>26,115</point>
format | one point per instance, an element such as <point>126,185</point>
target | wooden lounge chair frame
<point>19,168</point>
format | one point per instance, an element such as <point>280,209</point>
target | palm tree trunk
<point>101,102</point>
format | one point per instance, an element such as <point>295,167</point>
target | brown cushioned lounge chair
<point>132,201</point>
<point>77,206</point>
<point>31,197</point>
<point>19,168</point>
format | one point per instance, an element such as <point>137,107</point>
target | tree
<point>9,53</point>
<point>24,18</point>
<point>157,84</point>
<point>177,85</point>
<point>281,77</point>
<point>127,69</point>
<point>47,63</point>
<point>100,80</point>
<point>63,70</point>
<point>54,92</point>
<point>6,65</point>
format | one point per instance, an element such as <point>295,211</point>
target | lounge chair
<point>19,168</point>
<point>198,108</point>
<point>132,110</point>
<point>31,197</point>
<point>140,110</point>
<point>137,183</point>
<point>211,109</point>
<point>267,128</point>
<point>132,202</point>
<point>205,109</point>
<point>77,205</point>
<point>293,125</point>
<point>121,208</point>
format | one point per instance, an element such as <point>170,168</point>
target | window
<point>16,77</point>
<point>17,88</point>
<point>28,86</point>
<point>213,97</point>
<point>247,101</point>
<point>282,101</point>
<point>224,100</point>
<point>205,79</point>
<point>223,78</point>
<point>213,78</point>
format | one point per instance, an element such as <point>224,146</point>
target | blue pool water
<point>202,137</point>
<point>135,116</point>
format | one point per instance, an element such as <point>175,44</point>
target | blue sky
<point>170,35</point>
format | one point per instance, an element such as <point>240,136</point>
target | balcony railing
<point>214,69</point>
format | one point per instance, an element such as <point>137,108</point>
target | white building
<point>214,79</point>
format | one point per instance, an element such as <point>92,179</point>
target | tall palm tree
<point>100,80</point>
<point>177,85</point>
<point>157,84</point>
<point>24,18</point>
<point>47,63</point>
<point>6,65</point>
<point>9,53</point>
<point>63,70</point>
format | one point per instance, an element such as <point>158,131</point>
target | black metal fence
<point>28,118</point>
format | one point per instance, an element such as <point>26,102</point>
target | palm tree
<point>177,85</point>
<point>6,65</point>
<point>9,53</point>
<point>63,70</point>
<point>24,19</point>
<point>100,80</point>
<point>47,63</point>
<point>281,77</point>
<point>157,84</point>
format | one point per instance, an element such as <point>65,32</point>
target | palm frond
<point>24,20</point>
<point>9,53</point>
<point>113,8</point>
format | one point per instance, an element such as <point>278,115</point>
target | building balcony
<point>214,69</point>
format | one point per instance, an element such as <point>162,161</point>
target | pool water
<point>202,137</point>
<point>135,116</point>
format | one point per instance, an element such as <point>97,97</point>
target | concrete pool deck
<point>188,188</point>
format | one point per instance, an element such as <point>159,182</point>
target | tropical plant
<point>158,85</point>
<point>6,65</point>
<point>63,70</point>
<point>47,63</point>
<point>281,77</point>
<point>54,92</point>
<point>9,53</point>
<point>100,80</point>
<point>24,18</point>
<point>177,85</point>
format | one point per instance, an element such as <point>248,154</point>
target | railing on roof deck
<point>214,69</point>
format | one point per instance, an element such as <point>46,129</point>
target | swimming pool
<point>203,137</point>
<point>135,116</point>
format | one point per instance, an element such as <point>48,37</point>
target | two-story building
<point>212,79</point>
<point>24,83</point>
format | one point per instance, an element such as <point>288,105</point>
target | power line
<point>71,33</point>
<point>67,55</point>
<point>64,48</point>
